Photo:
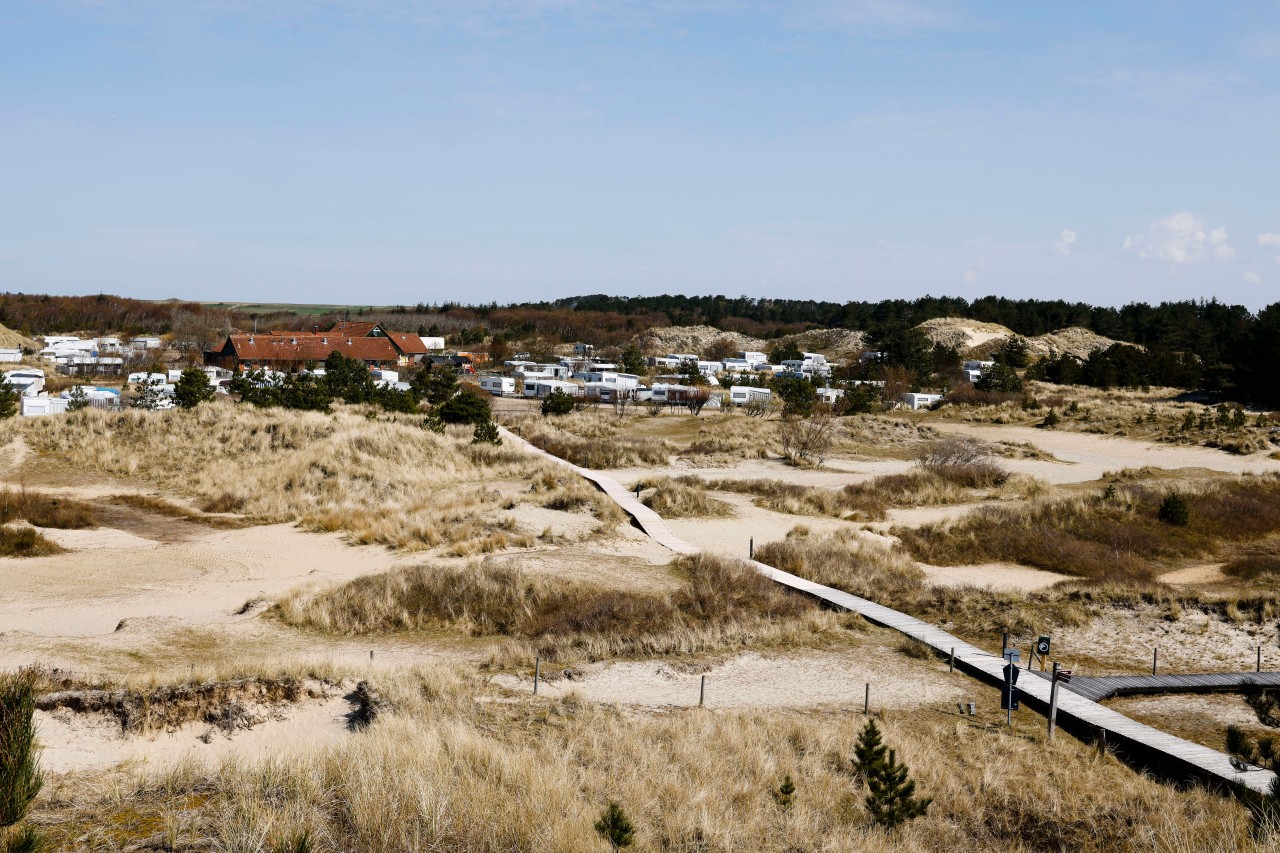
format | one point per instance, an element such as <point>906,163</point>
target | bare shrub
<point>806,439</point>
<point>26,542</point>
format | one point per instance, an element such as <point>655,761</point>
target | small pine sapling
<point>891,798</point>
<point>784,796</point>
<point>20,775</point>
<point>615,827</point>
<point>486,432</point>
<point>1264,808</point>
<point>1174,510</point>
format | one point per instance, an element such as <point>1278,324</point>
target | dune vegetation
<point>379,478</point>
<point>449,768</point>
<point>1116,535</point>
<point>721,604</point>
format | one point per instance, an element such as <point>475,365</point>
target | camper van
<point>498,386</point>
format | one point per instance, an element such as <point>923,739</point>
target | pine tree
<point>20,776</point>
<point>1174,510</point>
<point>615,827</point>
<point>148,396</point>
<point>486,432</point>
<point>891,798</point>
<point>8,400</point>
<point>77,399</point>
<point>785,795</point>
<point>192,389</point>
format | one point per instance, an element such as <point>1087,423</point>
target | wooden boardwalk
<point>1171,756</point>
<point>1099,687</point>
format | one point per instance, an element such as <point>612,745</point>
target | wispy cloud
<point>1181,239</point>
<point>1251,277</point>
<point>1066,241</point>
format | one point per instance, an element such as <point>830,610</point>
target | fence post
<point>702,691</point>
<point>751,548</point>
<point>1053,700</point>
<point>951,667</point>
<point>1258,668</point>
<point>537,673</point>
<point>866,700</point>
<point>1155,657</point>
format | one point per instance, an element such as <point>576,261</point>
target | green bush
<point>557,403</point>
<point>468,406</point>
<point>1174,510</point>
<point>20,776</point>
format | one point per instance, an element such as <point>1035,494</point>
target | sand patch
<point>74,741</point>
<point>753,681</point>
<point>997,576</point>
<point>1208,573</point>
<point>1090,456</point>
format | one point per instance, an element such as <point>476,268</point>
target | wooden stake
<point>1155,657</point>
<point>1259,666</point>
<point>751,548</point>
<point>702,691</point>
<point>951,667</point>
<point>866,700</point>
<point>1053,700</point>
<point>537,673</point>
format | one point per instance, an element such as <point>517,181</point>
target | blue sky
<point>397,151</point>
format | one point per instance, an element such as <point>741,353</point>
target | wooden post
<point>951,667</point>
<point>866,700</point>
<point>371,654</point>
<point>1155,657</point>
<point>702,691</point>
<point>1053,700</point>
<point>537,673</point>
<point>1258,668</point>
<point>751,548</point>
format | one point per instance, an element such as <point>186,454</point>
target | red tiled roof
<point>353,329</point>
<point>309,347</point>
<point>407,343</point>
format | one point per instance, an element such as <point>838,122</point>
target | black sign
<point>1042,646</point>
<point>1009,695</point>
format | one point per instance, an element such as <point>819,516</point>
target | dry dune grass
<point>682,498</point>
<point>1112,537</point>
<point>450,769</point>
<point>382,480</point>
<point>721,604</point>
<point>44,510</point>
<point>591,439</point>
<point>795,499</point>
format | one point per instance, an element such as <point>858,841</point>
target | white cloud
<point>1066,240</point>
<point>1251,277</point>
<point>1269,239</point>
<point>970,276</point>
<point>1181,239</point>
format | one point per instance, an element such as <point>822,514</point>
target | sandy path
<point>733,535</point>
<point>1089,456</point>
<point>750,680</point>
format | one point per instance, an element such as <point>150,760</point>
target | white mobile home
<point>830,395</point>
<point>753,357</point>
<point>915,401</point>
<point>10,355</point>
<point>740,395</point>
<point>498,386</point>
<point>43,405</point>
<point>544,387</point>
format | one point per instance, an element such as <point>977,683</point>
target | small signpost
<point>1042,649</point>
<point>1009,696</point>
<point>1060,676</point>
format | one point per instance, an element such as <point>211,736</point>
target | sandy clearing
<point>95,539</point>
<point>1089,456</point>
<point>750,680</point>
<point>1208,573</point>
<point>94,742</point>
<point>732,535</point>
<point>1194,642</point>
<point>199,581</point>
<point>997,576</point>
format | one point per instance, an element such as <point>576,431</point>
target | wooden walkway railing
<point>1160,751</point>
<point>1099,687</point>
